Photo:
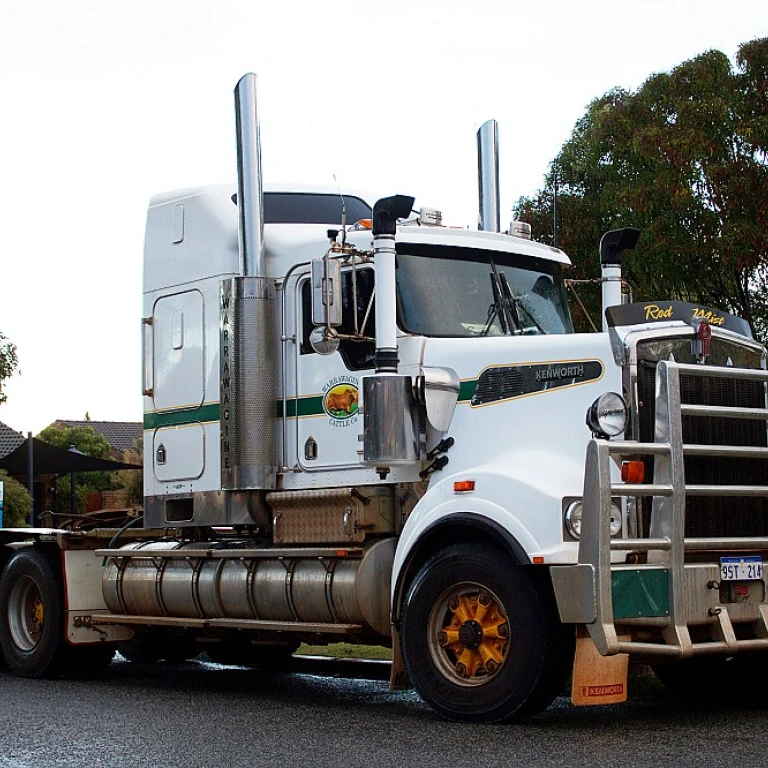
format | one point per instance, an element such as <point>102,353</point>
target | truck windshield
<point>470,292</point>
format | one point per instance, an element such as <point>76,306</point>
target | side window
<point>358,345</point>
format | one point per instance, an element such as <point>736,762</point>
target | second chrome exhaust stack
<point>488,176</point>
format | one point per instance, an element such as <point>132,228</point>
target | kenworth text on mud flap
<point>362,425</point>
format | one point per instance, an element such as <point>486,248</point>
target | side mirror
<point>326,292</point>
<point>323,342</point>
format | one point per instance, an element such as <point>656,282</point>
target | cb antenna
<point>343,210</point>
<point>336,181</point>
<point>554,208</point>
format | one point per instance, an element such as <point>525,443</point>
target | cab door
<point>179,386</point>
<point>328,406</point>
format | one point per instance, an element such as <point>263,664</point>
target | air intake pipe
<point>386,212</point>
<point>393,427</point>
<point>612,245</point>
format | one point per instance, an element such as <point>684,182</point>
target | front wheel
<point>481,642</point>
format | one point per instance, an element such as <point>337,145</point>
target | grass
<point>346,651</point>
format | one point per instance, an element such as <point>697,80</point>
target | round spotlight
<point>573,514</point>
<point>607,416</point>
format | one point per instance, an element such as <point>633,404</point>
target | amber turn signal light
<point>632,472</point>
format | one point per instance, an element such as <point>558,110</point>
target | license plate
<point>741,568</point>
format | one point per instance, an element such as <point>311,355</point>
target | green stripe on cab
<point>177,418</point>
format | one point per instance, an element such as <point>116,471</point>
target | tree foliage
<point>85,439</point>
<point>130,479</point>
<point>685,159</point>
<point>16,502</point>
<point>88,441</point>
<point>9,362</point>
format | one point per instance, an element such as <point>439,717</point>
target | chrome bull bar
<point>675,595</point>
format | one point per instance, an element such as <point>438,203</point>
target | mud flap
<point>597,679</point>
<point>398,677</point>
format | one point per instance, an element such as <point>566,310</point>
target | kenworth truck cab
<point>362,425</point>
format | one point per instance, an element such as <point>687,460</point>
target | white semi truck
<point>361,425</point>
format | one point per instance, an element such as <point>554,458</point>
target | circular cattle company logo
<point>341,400</point>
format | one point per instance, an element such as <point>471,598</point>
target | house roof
<point>119,434</point>
<point>10,439</point>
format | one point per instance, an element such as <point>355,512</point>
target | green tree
<point>9,362</point>
<point>684,159</point>
<point>132,480</point>
<point>87,441</point>
<point>16,502</point>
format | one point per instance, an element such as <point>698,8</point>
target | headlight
<point>574,513</point>
<point>607,416</point>
<point>615,520</point>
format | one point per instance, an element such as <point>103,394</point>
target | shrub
<point>16,502</point>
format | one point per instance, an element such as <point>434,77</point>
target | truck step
<point>254,624</point>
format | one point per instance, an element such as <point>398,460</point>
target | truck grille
<point>713,516</point>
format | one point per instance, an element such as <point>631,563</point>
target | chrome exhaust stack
<point>250,197</point>
<point>488,176</point>
<point>248,357</point>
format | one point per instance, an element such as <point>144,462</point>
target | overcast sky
<point>104,104</point>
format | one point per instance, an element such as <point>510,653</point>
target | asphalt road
<point>203,715</point>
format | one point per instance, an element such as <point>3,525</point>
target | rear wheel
<point>32,637</point>
<point>480,641</point>
<point>31,616</point>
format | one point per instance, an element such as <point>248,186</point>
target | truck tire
<point>32,616</point>
<point>480,642</point>
<point>32,623</point>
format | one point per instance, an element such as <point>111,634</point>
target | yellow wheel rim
<point>38,612</point>
<point>25,613</point>
<point>469,634</point>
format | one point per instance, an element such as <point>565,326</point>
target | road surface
<point>199,714</point>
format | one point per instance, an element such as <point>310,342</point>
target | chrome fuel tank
<point>247,581</point>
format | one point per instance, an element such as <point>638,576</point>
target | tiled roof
<point>10,439</point>
<point>119,434</point>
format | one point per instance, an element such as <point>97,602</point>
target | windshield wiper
<point>496,309</point>
<point>515,305</point>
